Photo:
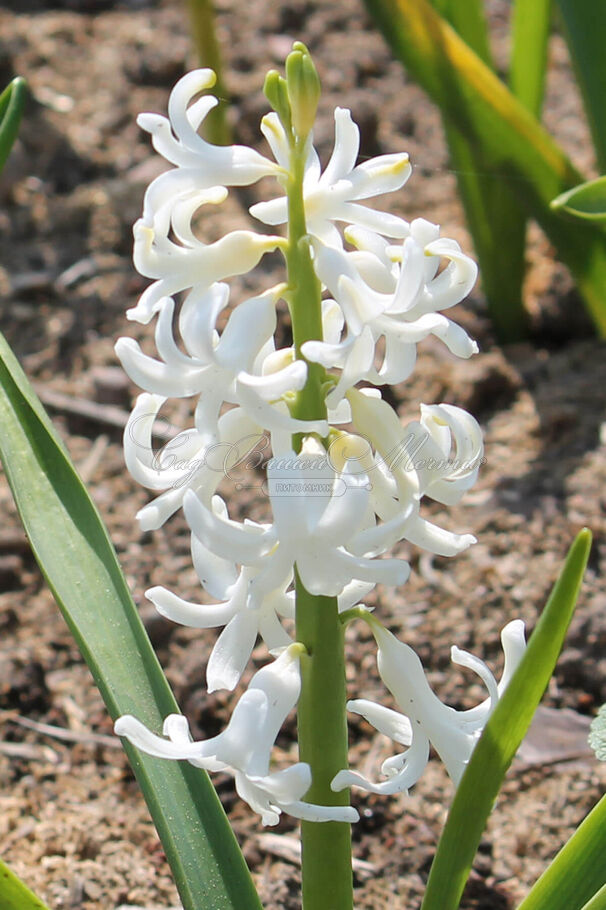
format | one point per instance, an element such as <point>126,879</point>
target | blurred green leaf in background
<point>509,166</point>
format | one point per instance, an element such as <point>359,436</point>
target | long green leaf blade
<point>75,554</point>
<point>12,101</point>
<point>502,736</point>
<point>14,894</point>
<point>487,113</point>
<point>585,28</point>
<point>576,878</point>
<point>496,222</point>
<point>470,22</point>
<point>530,32</point>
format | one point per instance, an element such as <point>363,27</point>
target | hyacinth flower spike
<point>362,288</point>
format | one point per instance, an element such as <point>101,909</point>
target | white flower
<point>395,293</point>
<point>334,194</point>
<point>323,523</point>
<point>187,262</point>
<point>243,748</point>
<point>416,461</point>
<point>425,720</point>
<point>194,460</point>
<point>202,173</point>
<point>240,366</point>
<point>243,620</point>
<point>201,164</point>
<point>234,646</point>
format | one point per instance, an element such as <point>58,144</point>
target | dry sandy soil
<point>72,822</point>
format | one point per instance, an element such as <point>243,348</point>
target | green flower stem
<point>304,297</point>
<point>326,846</point>
<point>322,720</point>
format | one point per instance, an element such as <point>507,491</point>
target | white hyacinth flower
<point>416,461</point>
<point>322,523</point>
<point>339,500</point>
<point>177,139</point>
<point>239,366</point>
<point>425,719</point>
<point>335,193</point>
<point>243,624</point>
<point>395,293</point>
<point>243,749</point>
<point>186,262</point>
<point>242,619</point>
<point>201,174</point>
<point>196,459</point>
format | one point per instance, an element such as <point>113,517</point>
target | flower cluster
<point>345,485</point>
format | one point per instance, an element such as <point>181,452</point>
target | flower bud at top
<point>303,87</point>
<point>276,92</point>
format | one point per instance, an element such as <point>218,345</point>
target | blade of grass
<point>12,101</point>
<point>530,31</point>
<point>487,113</point>
<point>584,28</point>
<point>502,736</point>
<point>495,220</point>
<point>14,894</point>
<point>78,561</point>
<point>576,878</point>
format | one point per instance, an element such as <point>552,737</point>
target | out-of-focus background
<point>71,820</point>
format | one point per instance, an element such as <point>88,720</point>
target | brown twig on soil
<point>108,414</point>
<point>89,465</point>
<point>74,736</point>
<point>29,751</point>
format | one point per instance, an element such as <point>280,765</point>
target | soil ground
<point>72,821</point>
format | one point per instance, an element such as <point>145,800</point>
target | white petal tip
<point>123,725</point>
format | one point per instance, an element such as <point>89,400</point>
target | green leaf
<point>470,22</point>
<point>598,901</point>
<point>588,200</point>
<point>14,894</point>
<point>576,878</point>
<point>496,222</point>
<point>12,101</point>
<point>75,554</point>
<point>502,736</point>
<point>530,31</point>
<point>528,160</point>
<point>584,29</point>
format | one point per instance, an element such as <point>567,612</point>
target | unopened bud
<point>276,92</point>
<point>303,86</point>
